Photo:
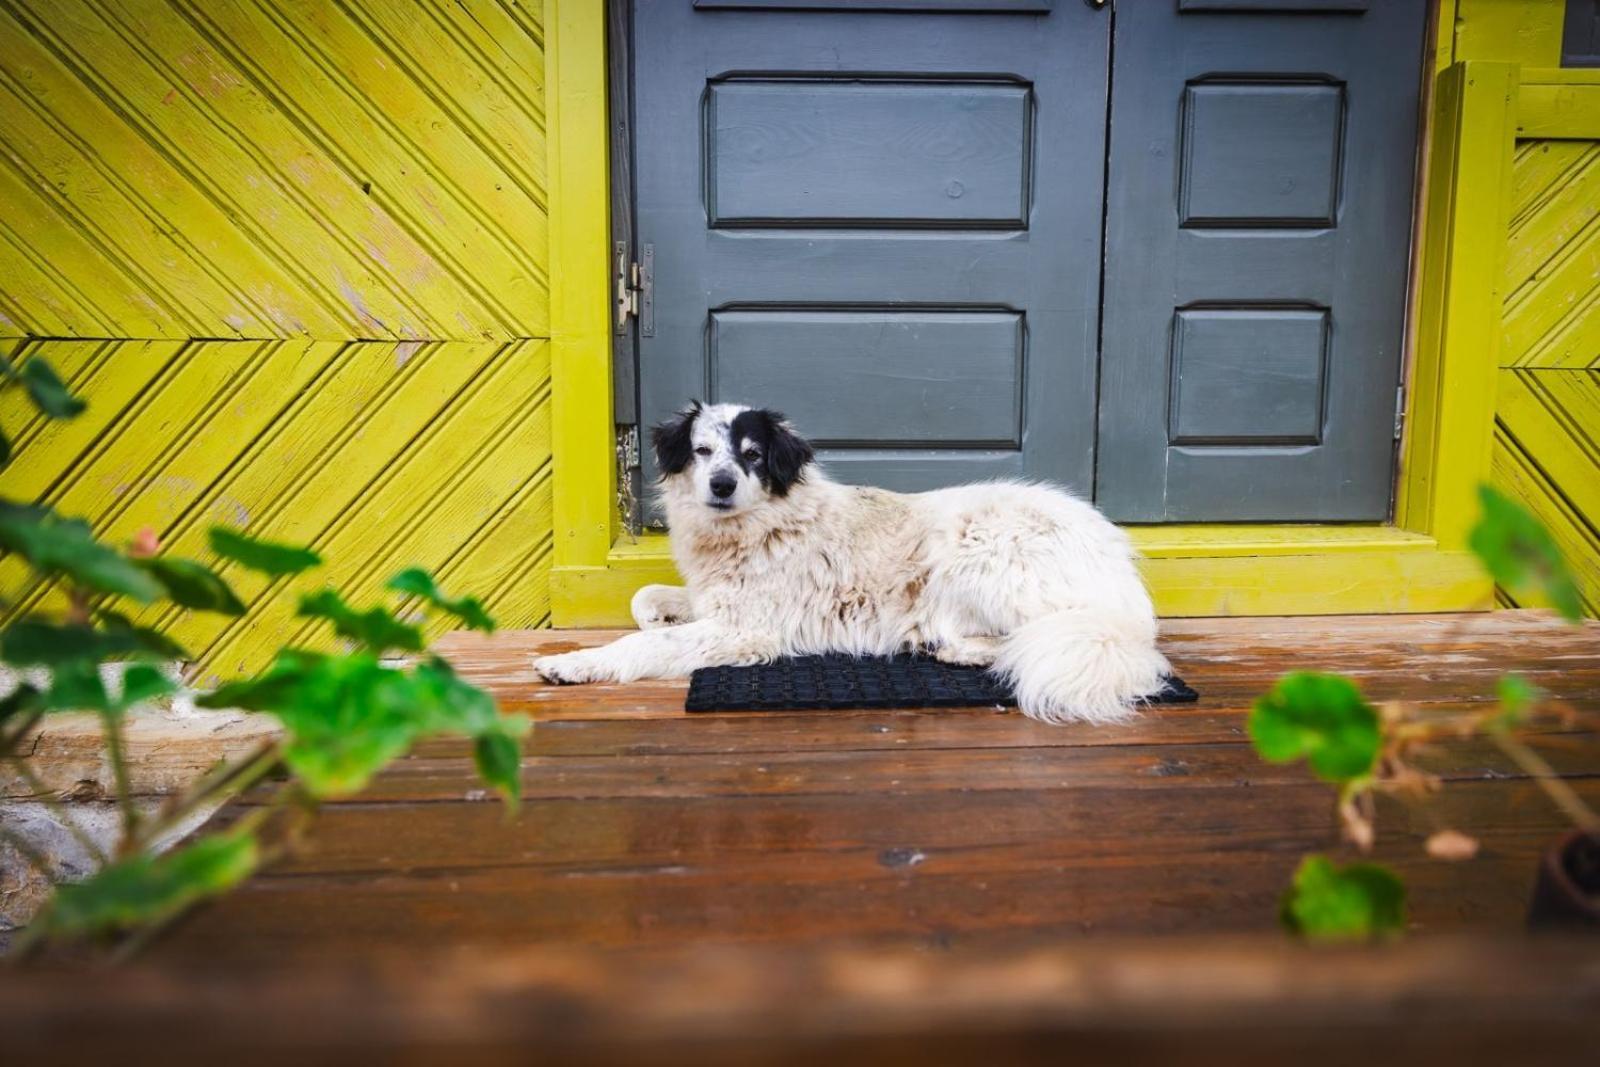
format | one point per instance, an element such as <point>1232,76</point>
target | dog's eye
<point>751,454</point>
<point>702,451</point>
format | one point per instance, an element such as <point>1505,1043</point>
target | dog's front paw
<point>658,606</point>
<point>570,668</point>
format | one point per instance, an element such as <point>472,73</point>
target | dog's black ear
<point>788,454</point>
<point>673,440</point>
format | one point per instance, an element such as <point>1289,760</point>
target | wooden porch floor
<point>644,826</point>
<point>883,887</point>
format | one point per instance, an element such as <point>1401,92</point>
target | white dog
<point>780,560</point>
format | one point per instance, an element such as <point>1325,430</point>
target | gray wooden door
<point>1257,233</point>
<point>885,223</point>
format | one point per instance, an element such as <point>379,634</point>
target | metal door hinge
<point>635,289</point>
<point>1399,411</point>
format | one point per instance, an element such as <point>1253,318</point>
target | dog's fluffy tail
<point>1082,665</point>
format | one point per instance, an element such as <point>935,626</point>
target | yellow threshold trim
<point>1167,542</point>
<point>1191,570</point>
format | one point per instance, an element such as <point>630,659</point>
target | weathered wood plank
<point>1211,1002</point>
<point>646,826</point>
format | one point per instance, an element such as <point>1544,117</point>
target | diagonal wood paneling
<point>294,253</point>
<point>301,168</point>
<point>1552,275</point>
<point>1547,454</point>
<point>380,454</point>
<point>1547,418</point>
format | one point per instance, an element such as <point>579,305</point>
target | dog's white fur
<point>1021,577</point>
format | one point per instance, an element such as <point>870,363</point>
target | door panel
<point>1257,236</point>
<point>875,154</point>
<point>884,223</point>
<point>880,392</point>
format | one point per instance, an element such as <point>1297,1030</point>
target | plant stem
<point>38,860</point>
<point>10,739</point>
<point>119,768</point>
<point>57,808</point>
<point>1560,793</point>
<point>234,777</point>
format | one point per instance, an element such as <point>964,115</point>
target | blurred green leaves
<point>1521,555</point>
<point>267,557</point>
<point>66,549</point>
<point>193,585</point>
<point>347,716</point>
<point>415,581</point>
<point>1516,697</point>
<point>376,628</point>
<point>1357,902</point>
<point>45,389</point>
<point>148,889</point>
<point>48,392</point>
<point>1321,718</point>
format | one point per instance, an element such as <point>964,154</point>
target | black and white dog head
<point>728,457</point>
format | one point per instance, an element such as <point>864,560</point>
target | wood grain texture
<point>1450,386</point>
<point>1547,414</point>
<point>1547,456</point>
<point>302,168</point>
<point>1212,1002</point>
<point>911,886</point>
<point>381,455</point>
<point>645,826</point>
<point>295,256</point>
<point>1551,317</point>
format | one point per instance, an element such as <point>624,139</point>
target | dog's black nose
<point>723,485</point>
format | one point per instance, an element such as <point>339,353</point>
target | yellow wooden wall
<point>1547,419</point>
<point>294,253</point>
<point>1547,411</point>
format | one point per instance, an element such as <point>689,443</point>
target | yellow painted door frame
<point>1416,563</point>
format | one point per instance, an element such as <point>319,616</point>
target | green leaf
<point>268,691</point>
<point>1520,555</point>
<point>377,628</point>
<point>23,699</point>
<point>499,761</point>
<point>143,637</point>
<point>1322,718</point>
<point>346,717</point>
<point>1357,902</point>
<point>1516,696</point>
<point>34,641</point>
<point>346,720</point>
<point>450,703</point>
<point>77,686</point>
<point>414,581</point>
<point>142,682</point>
<point>193,585</point>
<point>48,392</point>
<point>55,546</point>
<point>144,889</point>
<point>268,557</point>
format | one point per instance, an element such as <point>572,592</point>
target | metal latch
<point>635,296</point>
<point>1399,411</point>
<point>627,287</point>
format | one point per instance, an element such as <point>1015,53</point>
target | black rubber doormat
<point>797,683</point>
